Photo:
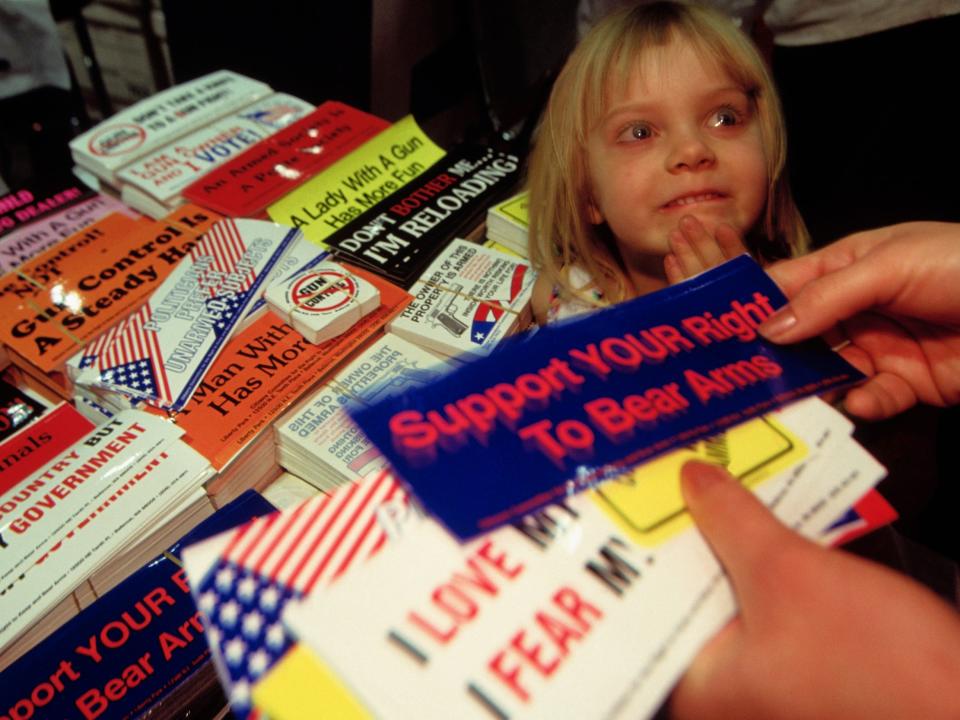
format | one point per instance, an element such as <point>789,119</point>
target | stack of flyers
<point>160,353</point>
<point>319,442</point>
<point>323,302</point>
<point>508,222</point>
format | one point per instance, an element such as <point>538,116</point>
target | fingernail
<point>698,477</point>
<point>688,222</point>
<point>778,324</point>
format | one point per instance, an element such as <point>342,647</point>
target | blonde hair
<point>561,234</point>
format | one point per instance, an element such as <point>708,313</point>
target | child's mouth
<point>687,200</point>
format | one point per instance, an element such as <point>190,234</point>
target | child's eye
<point>635,131</point>
<point>725,117</point>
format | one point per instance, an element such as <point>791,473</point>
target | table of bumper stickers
<point>295,435</point>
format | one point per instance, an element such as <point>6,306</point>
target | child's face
<point>680,139</point>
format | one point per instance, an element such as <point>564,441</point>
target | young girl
<point>661,146</point>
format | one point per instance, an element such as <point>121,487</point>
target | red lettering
<point>480,413</point>
<point>640,408</point>
<point>701,330</point>
<point>560,376</point>
<point>576,437</point>
<point>453,598</point>
<point>552,631</point>
<point>508,401</point>
<point>119,638</point>
<point>534,387</point>
<point>115,689</point>
<point>590,360</point>
<point>92,704</point>
<point>608,417</point>
<point>510,677</point>
<point>498,561</point>
<point>560,633</point>
<point>575,606</point>
<point>621,354</point>
<point>538,436</point>
<point>532,654</point>
<point>156,597</point>
<point>671,337</point>
<point>409,429</point>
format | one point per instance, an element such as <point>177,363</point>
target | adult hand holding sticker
<point>584,400</point>
<point>820,633</point>
<point>893,293</point>
<point>807,642</point>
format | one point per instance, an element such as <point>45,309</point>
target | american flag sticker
<point>277,111</point>
<point>243,579</point>
<point>128,360</point>
<point>161,353</point>
<point>489,312</point>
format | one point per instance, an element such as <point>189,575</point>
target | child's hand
<point>694,250</point>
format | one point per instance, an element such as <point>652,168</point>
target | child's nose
<point>690,151</point>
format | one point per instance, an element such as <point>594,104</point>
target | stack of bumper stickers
<point>547,566</point>
<point>467,301</point>
<point>160,119</point>
<point>160,354</point>
<point>399,236</point>
<point>154,183</point>
<point>323,302</point>
<point>136,651</point>
<point>73,292</point>
<point>508,223</point>
<point>317,440</point>
<point>74,514</point>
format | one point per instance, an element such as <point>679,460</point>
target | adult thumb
<point>744,535</point>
